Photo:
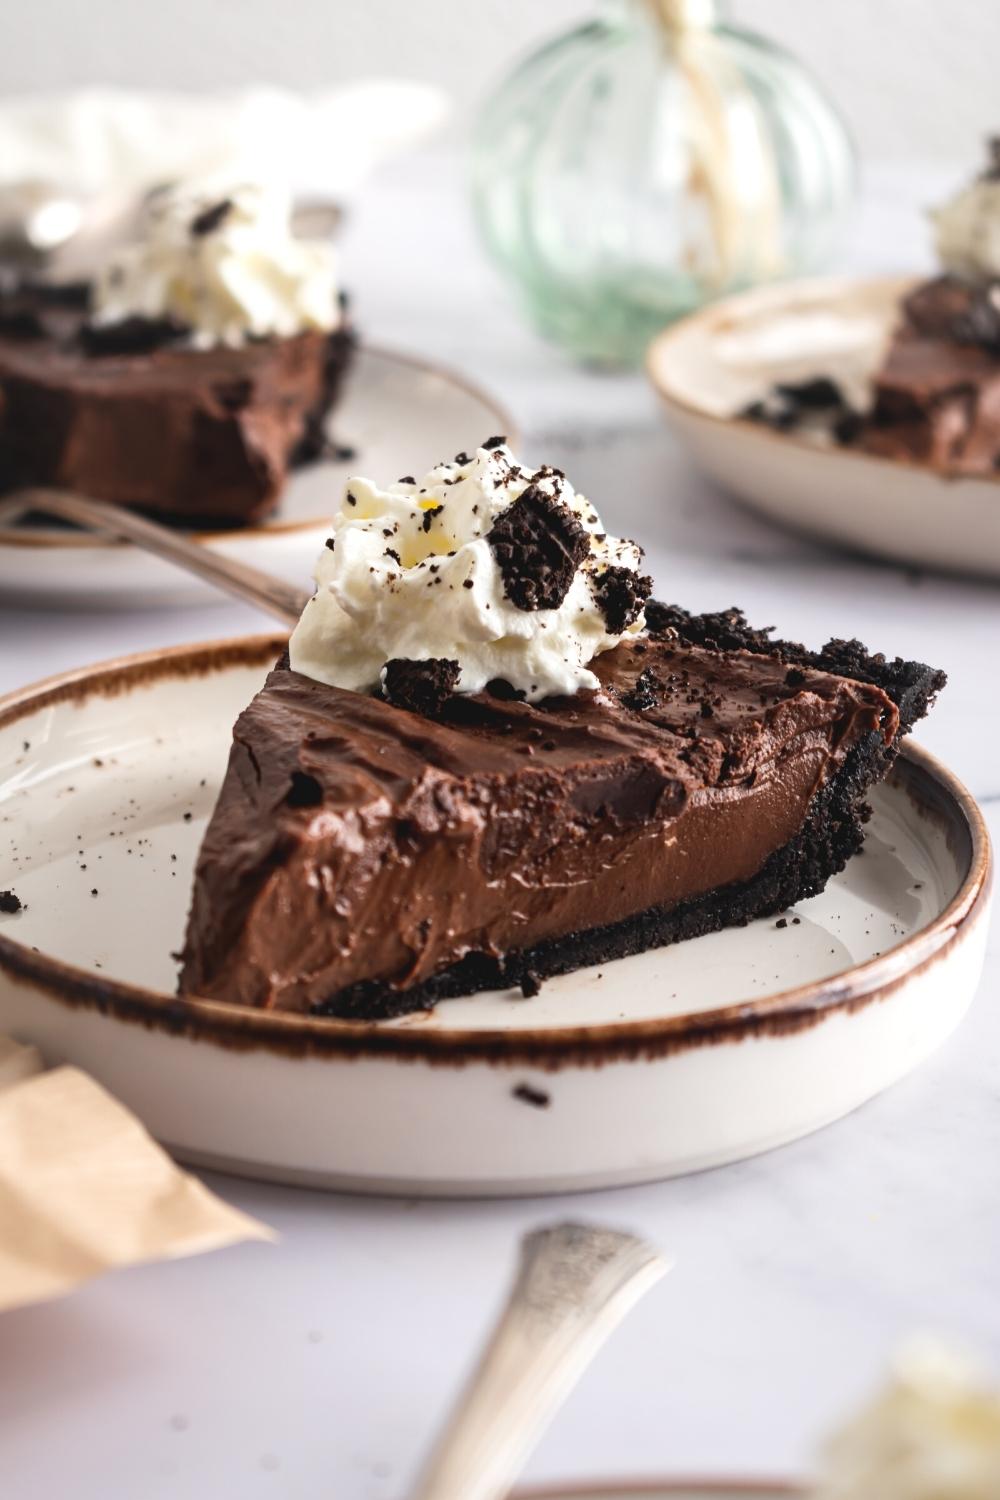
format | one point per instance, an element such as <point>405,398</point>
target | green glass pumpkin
<point>649,161</point>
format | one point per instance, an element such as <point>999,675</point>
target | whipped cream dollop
<point>967,227</point>
<point>501,570</point>
<point>934,1434</point>
<point>225,265</point>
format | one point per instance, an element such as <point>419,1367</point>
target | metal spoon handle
<point>283,600</point>
<point>573,1286</point>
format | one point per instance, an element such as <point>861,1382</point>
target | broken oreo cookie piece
<point>620,596</point>
<point>979,324</point>
<point>538,544</point>
<point>818,401</point>
<point>421,687</point>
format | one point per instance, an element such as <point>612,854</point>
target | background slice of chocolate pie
<point>488,760</point>
<point>200,367</point>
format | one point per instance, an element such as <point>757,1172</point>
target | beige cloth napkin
<point>84,1189</point>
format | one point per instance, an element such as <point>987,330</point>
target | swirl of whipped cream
<point>504,570</point>
<point>226,266</point>
<point>933,1435</point>
<point>967,231</point>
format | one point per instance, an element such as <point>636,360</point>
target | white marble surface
<point>318,1367</point>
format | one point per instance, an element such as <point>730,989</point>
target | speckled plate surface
<point>669,1061</point>
<point>708,367</point>
<point>396,412</point>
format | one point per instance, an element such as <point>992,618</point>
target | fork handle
<point>273,595</point>
<point>573,1286</point>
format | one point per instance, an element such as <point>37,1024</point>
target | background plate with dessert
<point>865,411</point>
<point>208,375</point>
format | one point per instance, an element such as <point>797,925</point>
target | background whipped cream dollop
<point>967,231</point>
<point>226,265</point>
<point>933,1435</point>
<point>448,567</point>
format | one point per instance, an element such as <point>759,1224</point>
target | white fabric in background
<point>97,141</point>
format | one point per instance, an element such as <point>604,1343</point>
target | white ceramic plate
<point>395,413</point>
<point>695,1489</point>
<point>662,1063</point>
<point>711,365</point>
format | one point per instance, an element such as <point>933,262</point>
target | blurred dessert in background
<point>933,1434</point>
<point>935,394</point>
<point>199,365</point>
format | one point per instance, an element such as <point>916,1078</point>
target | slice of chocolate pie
<point>201,366</point>
<point>485,763</point>
<point>934,398</point>
<point>937,394</point>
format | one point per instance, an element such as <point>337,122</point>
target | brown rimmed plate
<point>666,1062</point>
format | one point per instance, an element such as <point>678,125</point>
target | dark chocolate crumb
<point>233,395</point>
<point>406,479</point>
<point>421,687</point>
<point>211,218</point>
<point>131,335</point>
<point>499,687</point>
<point>462,458</point>
<point>187,817</point>
<point>645,692</point>
<point>429,514</point>
<point>781,922</point>
<point>93,890</point>
<point>538,1098</point>
<point>9,903</point>
<point>305,791</point>
<point>499,441</point>
<point>531,985</point>
<point>538,545</point>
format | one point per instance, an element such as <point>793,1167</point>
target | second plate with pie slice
<point>709,367</point>
<point>393,407</point>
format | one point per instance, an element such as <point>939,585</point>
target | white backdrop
<point>916,77</point>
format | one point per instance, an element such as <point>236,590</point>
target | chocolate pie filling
<point>365,860</point>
